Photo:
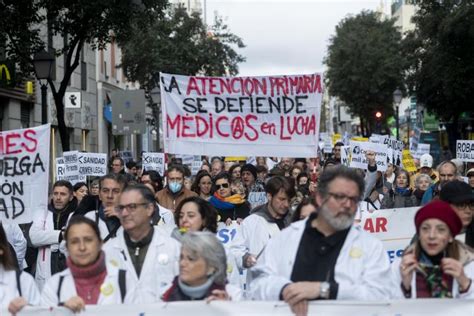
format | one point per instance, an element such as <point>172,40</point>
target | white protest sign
<point>60,168</point>
<point>252,160</point>
<point>226,234</point>
<point>465,150</point>
<point>71,164</point>
<point>92,164</point>
<point>154,161</point>
<point>397,147</point>
<point>359,149</point>
<point>228,116</point>
<point>257,198</point>
<point>346,155</point>
<point>394,227</point>
<point>422,149</point>
<point>327,149</point>
<point>196,166</point>
<point>24,173</point>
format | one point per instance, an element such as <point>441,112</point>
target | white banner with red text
<point>234,116</point>
<point>394,227</point>
<point>24,173</point>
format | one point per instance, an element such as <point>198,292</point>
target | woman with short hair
<point>202,271</point>
<point>230,206</point>
<point>436,265</point>
<point>194,214</point>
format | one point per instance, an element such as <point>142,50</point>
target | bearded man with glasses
<point>325,256</point>
<point>149,256</point>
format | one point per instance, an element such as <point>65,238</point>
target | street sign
<point>128,112</point>
<point>72,100</point>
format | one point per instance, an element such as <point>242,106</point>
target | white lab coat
<point>361,268</point>
<point>46,238</point>
<point>49,295</point>
<point>159,268</point>
<point>254,235</point>
<point>18,241</point>
<point>396,278</point>
<point>9,289</point>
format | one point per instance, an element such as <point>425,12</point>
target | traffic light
<point>378,121</point>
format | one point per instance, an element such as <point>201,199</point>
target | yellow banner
<point>408,162</point>
<point>360,139</point>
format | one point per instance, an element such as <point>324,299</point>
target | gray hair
<point>343,172</point>
<point>207,246</point>
<point>420,177</point>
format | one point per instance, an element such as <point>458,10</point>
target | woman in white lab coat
<point>88,280</point>
<point>17,289</point>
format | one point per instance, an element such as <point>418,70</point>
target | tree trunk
<point>453,134</point>
<point>362,127</point>
<point>63,132</point>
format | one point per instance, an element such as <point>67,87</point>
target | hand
<point>455,269</point>
<point>250,261</point>
<point>109,211</point>
<point>75,304</point>
<point>385,190</point>
<point>218,295</point>
<point>300,308</point>
<point>370,156</point>
<point>239,220</point>
<point>228,221</point>
<point>297,292</point>
<point>16,305</point>
<point>313,186</point>
<point>407,266</point>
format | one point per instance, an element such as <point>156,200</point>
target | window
<point>25,111</point>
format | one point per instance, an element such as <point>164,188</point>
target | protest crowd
<point>352,219</point>
<point>134,236</point>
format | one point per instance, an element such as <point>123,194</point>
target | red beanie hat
<point>440,210</point>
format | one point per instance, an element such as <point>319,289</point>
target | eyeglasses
<point>132,207</point>
<point>223,185</point>
<point>342,198</point>
<point>465,205</point>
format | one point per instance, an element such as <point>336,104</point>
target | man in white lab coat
<point>265,222</point>
<point>325,256</point>
<point>147,253</point>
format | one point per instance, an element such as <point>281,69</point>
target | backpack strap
<point>60,284</point>
<point>122,284</point>
<point>18,284</point>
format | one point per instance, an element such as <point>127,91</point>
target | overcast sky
<point>285,37</point>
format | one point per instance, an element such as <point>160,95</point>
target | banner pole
<point>53,156</point>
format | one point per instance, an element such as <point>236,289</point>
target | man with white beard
<point>325,256</point>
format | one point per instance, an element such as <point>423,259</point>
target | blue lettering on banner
<point>226,235</point>
<point>394,253</point>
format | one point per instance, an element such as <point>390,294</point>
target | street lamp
<point>43,63</point>
<point>155,95</point>
<point>397,99</point>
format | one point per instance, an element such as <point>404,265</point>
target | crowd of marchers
<point>135,236</point>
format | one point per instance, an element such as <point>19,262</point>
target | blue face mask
<point>175,186</point>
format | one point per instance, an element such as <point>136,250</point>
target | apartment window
<point>25,113</point>
<point>106,74</point>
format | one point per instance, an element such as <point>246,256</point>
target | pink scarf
<point>89,279</point>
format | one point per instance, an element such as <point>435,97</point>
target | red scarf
<point>89,279</point>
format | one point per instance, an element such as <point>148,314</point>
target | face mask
<point>175,186</point>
